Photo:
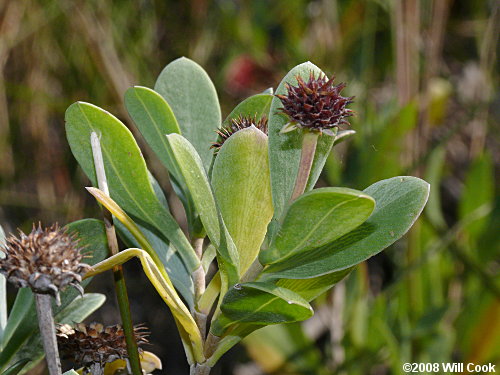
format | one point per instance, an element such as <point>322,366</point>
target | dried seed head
<point>91,344</point>
<point>239,123</point>
<point>316,104</point>
<point>46,260</point>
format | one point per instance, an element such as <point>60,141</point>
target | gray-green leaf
<point>399,202</point>
<point>126,171</point>
<point>255,106</point>
<point>310,289</point>
<point>190,171</point>
<point>316,218</point>
<point>262,304</point>
<point>242,187</point>
<point>155,119</point>
<point>191,94</point>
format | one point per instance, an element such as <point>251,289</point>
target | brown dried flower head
<point>315,105</point>
<point>239,123</point>
<point>87,345</point>
<point>46,260</point>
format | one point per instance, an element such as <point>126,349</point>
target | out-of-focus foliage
<point>423,74</point>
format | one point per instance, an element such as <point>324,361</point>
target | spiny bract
<point>92,344</point>
<point>46,260</point>
<point>239,123</point>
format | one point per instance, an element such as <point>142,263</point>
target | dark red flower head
<point>316,104</point>
<point>239,123</point>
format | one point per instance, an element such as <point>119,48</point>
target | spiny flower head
<point>315,105</point>
<point>91,344</point>
<point>46,260</point>
<point>239,123</point>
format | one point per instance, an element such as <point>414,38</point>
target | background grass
<point>424,73</point>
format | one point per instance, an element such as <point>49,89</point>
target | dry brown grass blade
<point>102,50</point>
<point>11,14</point>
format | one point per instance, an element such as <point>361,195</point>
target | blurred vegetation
<point>424,74</point>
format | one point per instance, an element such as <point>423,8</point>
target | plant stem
<point>199,287</point>
<point>198,369</point>
<point>309,143</point>
<point>199,273</point>
<point>212,291</point>
<point>119,279</point>
<point>48,332</point>
<point>211,345</point>
<point>253,271</point>
<point>96,369</point>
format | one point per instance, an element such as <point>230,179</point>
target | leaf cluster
<point>273,255</point>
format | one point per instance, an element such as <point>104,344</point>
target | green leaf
<point>227,260</point>
<point>80,308</point>
<point>190,171</point>
<point>208,256</point>
<point>16,367</point>
<point>323,149</point>
<point>77,311</point>
<point>128,177</point>
<point>399,202</point>
<point>285,149</point>
<point>92,237</point>
<point>260,303</point>
<point>310,289</point>
<point>254,106</point>
<point>154,119</point>
<point>23,306</point>
<point>241,183</point>
<point>343,135</point>
<point>23,322</point>
<point>230,339</point>
<point>317,218</point>
<point>188,163</point>
<point>152,115</point>
<point>192,96</point>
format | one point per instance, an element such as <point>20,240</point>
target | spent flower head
<point>239,123</point>
<point>87,345</point>
<point>315,105</point>
<point>46,260</point>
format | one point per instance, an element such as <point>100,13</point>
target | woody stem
<point>48,332</point>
